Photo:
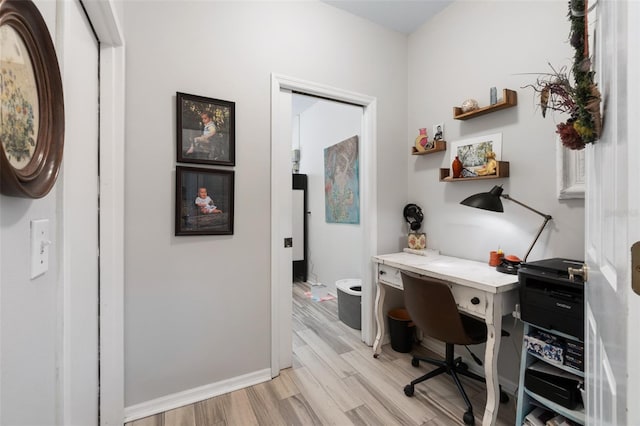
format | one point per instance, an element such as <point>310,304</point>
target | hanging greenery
<point>581,100</point>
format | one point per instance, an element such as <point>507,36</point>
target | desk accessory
<point>413,216</point>
<point>491,201</point>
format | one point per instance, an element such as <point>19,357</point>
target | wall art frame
<point>204,213</point>
<point>570,172</point>
<point>31,103</point>
<point>205,130</point>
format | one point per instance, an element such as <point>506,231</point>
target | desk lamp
<point>491,201</point>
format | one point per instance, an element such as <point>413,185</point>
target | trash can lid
<point>400,314</point>
<point>347,286</point>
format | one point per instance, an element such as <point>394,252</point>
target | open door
<point>612,200</point>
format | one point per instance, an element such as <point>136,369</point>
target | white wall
<point>198,308</point>
<point>461,53</point>
<point>28,308</point>
<point>29,317</point>
<point>334,249</point>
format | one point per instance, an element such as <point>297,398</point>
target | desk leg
<point>380,295</point>
<point>494,332</point>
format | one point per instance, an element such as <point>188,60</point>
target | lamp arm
<point>508,197</point>
<point>546,217</point>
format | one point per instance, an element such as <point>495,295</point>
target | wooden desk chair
<point>433,309</point>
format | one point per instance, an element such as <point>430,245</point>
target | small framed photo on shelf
<point>204,201</point>
<point>205,130</point>
<point>438,132</point>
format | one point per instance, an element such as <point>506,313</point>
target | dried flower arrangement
<point>580,100</point>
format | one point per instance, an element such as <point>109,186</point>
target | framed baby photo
<point>205,130</point>
<point>204,201</point>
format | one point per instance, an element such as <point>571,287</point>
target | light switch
<point>39,247</point>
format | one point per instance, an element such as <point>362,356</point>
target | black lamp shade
<point>486,200</point>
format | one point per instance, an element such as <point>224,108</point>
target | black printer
<point>549,299</point>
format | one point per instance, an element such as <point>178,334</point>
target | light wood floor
<point>336,381</point>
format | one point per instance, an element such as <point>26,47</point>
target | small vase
<point>456,167</point>
<point>421,140</point>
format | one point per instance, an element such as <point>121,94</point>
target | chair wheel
<point>468,418</point>
<point>415,362</point>
<point>463,366</point>
<point>504,398</point>
<point>408,390</point>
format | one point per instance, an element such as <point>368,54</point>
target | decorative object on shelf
<point>206,130</point>
<point>437,147</point>
<point>473,152</point>
<point>469,105</point>
<point>509,99</point>
<point>422,141</point>
<point>490,165</point>
<point>502,171</point>
<point>438,132</point>
<point>31,103</point>
<point>456,167</point>
<point>491,201</point>
<point>493,96</point>
<point>424,146</point>
<point>204,201</point>
<point>581,100</point>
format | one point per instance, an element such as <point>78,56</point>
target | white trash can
<point>349,302</point>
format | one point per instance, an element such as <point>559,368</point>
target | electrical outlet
<point>39,247</point>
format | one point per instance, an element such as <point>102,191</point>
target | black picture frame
<point>31,103</point>
<point>215,216</point>
<point>196,142</point>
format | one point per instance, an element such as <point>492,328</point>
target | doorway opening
<point>326,136</point>
<point>283,89</point>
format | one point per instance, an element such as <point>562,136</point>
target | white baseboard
<point>169,402</point>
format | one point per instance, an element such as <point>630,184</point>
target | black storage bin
<point>561,390</point>
<point>401,330</point>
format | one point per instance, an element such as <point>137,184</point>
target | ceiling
<point>399,15</point>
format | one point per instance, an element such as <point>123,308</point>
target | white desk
<point>478,289</point>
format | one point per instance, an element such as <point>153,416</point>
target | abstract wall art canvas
<point>342,182</point>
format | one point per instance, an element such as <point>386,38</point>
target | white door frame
<point>103,17</point>
<point>281,298</point>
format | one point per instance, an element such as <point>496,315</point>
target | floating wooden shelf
<point>502,171</point>
<point>509,99</point>
<point>439,146</point>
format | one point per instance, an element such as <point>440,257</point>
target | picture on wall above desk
<point>204,201</point>
<point>205,130</point>
<point>478,155</point>
<point>341,182</point>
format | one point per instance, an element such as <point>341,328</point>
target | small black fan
<point>413,215</point>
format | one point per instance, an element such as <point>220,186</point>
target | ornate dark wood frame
<point>37,178</point>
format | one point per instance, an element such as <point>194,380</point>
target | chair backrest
<point>433,309</point>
